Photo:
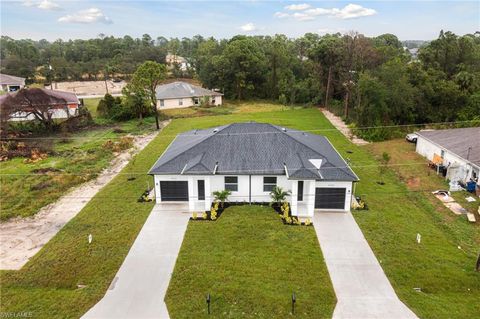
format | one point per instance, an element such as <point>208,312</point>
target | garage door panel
<point>176,191</point>
<point>330,198</point>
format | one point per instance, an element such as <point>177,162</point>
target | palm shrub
<point>278,195</point>
<point>222,196</point>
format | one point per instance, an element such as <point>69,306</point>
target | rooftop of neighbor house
<point>464,142</point>
<point>182,90</point>
<point>6,79</point>
<point>253,149</point>
<point>55,95</point>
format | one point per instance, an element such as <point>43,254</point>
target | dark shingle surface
<point>252,148</point>
<point>457,141</point>
<point>181,90</point>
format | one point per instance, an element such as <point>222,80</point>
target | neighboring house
<point>10,83</point>
<point>59,111</point>
<point>172,59</point>
<point>182,94</point>
<point>456,149</point>
<point>249,159</point>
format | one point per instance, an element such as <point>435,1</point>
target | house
<point>10,83</point>
<point>60,102</point>
<point>182,94</point>
<point>250,159</point>
<point>172,59</point>
<point>456,149</point>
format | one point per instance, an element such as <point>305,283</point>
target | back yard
<point>48,284</point>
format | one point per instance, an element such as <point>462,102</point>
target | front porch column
<point>208,194</point>
<point>191,198</point>
<point>310,197</point>
<point>293,198</point>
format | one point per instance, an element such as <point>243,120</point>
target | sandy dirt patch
<point>342,127</point>
<point>22,238</point>
<point>87,89</point>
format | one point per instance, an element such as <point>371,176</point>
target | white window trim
<point>263,180</point>
<point>225,183</point>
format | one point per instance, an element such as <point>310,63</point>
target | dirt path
<point>342,127</point>
<point>22,238</point>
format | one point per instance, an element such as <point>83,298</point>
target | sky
<point>408,19</point>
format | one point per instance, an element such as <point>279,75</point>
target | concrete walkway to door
<point>363,291</point>
<point>139,287</point>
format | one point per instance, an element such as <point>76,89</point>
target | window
<point>162,103</point>
<point>269,183</point>
<point>300,191</point>
<point>201,189</point>
<point>213,100</point>
<point>231,183</point>
<point>180,101</point>
<point>442,154</point>
<point>196,101</point>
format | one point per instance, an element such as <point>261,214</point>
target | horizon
<point>71,20</point>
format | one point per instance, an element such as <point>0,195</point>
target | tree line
<point>370,81</point>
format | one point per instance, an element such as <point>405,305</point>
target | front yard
<point>250,263</point>
<point>47,284</point>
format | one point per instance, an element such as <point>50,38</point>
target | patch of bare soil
<point>22,238</point>
<point>342,127</point>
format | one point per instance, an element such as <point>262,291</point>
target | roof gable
<point>182,90</point>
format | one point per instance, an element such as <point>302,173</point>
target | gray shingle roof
<point>252,148</point>
<point>457,141</point>
<point>11,80</point>
<point>182,90</point>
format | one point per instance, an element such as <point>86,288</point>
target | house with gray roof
<point>250,159</point>
<point>457,149</point>
<point>10,83</point>
<point>183,94</point>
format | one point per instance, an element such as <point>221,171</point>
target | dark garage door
<point>330,198</point>
<point>174,191</point>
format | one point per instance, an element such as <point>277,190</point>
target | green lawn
<point>451,288</point>
<point>76,158</point>
<point>250,263</point>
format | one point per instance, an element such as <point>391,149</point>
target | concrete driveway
<point>139,287</point>
<point>362,289</point>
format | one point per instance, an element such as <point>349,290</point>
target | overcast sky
<point>408,19</point>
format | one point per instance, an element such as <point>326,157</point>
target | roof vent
<point>215,130</point>
<point>316,162</point>
<point>284,129</point>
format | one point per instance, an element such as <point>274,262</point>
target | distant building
<point>172,59</point>
<point>182,94</point>
<point>10,83</point>
<point>458,150</point>
<point>58,111</point>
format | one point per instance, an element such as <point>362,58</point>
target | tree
<point>36,102</point>
<point>278,195</point>
<point>145,81</point>
<point>136,102</point>
<point>222,196</point>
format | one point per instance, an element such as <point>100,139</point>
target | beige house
<point>182,94</point>
<point>10,83</point>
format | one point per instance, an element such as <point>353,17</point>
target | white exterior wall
<point>428,149</point>
<point>56,114</point>
<point>214,183</point>
<point>187,102</point>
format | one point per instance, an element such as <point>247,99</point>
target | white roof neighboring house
<point>6,79</point>
<point>178,90</point>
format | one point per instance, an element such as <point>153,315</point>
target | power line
<point>292,131</point>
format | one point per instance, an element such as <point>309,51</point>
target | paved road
<point>140,285</point>
<point>362,289</point>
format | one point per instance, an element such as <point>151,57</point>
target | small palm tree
<point>222,196</point>
<point>278,195</point>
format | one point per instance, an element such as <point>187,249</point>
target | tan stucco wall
<point>187,102</point>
